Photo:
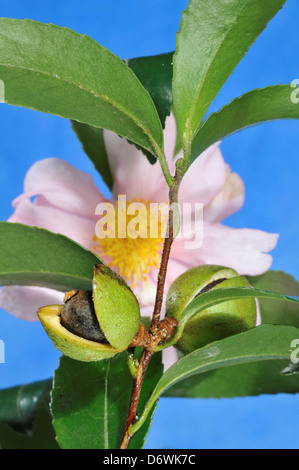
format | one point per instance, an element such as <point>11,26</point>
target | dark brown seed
<point>78,316</point>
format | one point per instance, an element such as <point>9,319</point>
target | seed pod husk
<point>116,307</point>
<point>68,343</point>
<point>94,325</point>
<point>217,322</point>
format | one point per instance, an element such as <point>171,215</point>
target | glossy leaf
<point>259,377</point>
<point>255,107</point>
<point>56,70</point>
<point>90,402</point>
<point>256,378</point>
<point>155,74</point>
<point>34,256</point>
<point>283,313</point>
<point>93,144</point>
<point>28,423</point>
<point>263,343</point>
<point>18,404</point>
<point>213,37</point>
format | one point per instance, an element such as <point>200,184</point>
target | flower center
<point>131,237</point>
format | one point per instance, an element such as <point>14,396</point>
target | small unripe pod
<point>97,324</point>
<point>217,322</point>
<point>116,307</point>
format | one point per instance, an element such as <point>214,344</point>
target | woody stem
<point>154,330</point>
<point>173,197</point>
<point>136,390</point>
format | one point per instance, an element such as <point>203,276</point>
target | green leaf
<point>155,74</point>
<point>56,70</point>
<point>18,404</point>
<point>256,378</point>
<point>213,37</point>
<point>93,144</point>
<point>28,422</point>
<point>263,343</point>
<point>33,256</point>
<point>259,377</point>
<point>90,402</point>
<point>283,313</point>
<point>42,435</point>
<point>256,106</point>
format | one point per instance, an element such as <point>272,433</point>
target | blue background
<point>265,156</point>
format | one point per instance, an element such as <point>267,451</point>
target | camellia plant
<point>148,293</point>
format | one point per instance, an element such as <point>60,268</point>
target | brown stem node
<point>142,338</point>
<point>167,328</point>
<point>150,339</point>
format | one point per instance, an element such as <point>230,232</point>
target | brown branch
<point>161,279</point>
<point>136,390</point>
<point>173,195</point>
<point>156,335</point>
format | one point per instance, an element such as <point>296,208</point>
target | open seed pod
<point>94,325</point>
<point>217,322</point>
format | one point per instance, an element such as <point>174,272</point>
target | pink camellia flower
<point>63,199</point>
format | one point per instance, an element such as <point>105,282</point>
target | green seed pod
<point>217,322</point>
<point>94,325</point>
<point>116,307</point>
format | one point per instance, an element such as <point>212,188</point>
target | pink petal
<point>176,266</point>
<point>169,357</point>
<point>146,310</point>
<point>145,292</point>
<point>63,185</point>
<point>133,175</point>
<point>24,302</point>
<point>170,135</point>
<point>80,229</point>
<point>205,177</point>
<point>245,250</point>
<point>228,201</point>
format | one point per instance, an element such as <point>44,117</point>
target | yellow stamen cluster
<point>133,239</point>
